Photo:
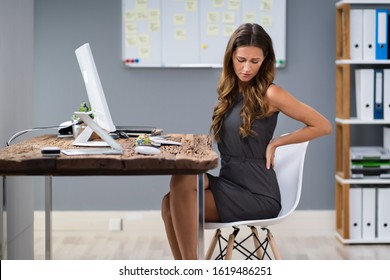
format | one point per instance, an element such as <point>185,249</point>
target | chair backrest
<point>289,162</point>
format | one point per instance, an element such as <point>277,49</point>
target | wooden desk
<point>195,156</point>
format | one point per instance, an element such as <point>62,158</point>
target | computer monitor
<point>96,97</point>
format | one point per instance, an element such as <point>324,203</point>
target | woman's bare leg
<point>184,214</point>
<point>167,218</point>
<point>181,218</point>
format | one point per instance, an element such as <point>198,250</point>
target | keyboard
<point>79,152</point>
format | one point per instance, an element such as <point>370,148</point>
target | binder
<point>358,93</point>
<point>386,138</point>
<point>378,94</point>
<point>368,212</point>
<point>356,35</point>
<point>369,33</point>
<point>386,94</point>
<point>382,17</point>
<point>355,212</point>
<point>364,90</point>
<point>383,208</point>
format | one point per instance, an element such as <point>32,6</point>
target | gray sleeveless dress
<point>245,189</point>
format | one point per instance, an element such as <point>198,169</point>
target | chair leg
<point>274,248</point>
<point>229,248</point>
<point>213,243</point>
<point>259,251</point>
<point>260,248</point>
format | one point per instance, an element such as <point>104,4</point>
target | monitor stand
<point>83,139</point>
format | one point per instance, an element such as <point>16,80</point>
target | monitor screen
<point>94,88</point>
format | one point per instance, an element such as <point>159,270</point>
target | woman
<point>243,124</point>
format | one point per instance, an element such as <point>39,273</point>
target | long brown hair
<point>254,105</point>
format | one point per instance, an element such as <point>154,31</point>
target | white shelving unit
<point>344,119</point>
<point>358,121</point>
<point>362,62</point>
<point>362,182</point>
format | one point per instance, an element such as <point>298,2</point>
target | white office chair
<point>289,162</point>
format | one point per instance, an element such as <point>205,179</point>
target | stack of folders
<point>369,34</point>
<point>372,94</point>
<point>369,212</point>
<point>370,162</point>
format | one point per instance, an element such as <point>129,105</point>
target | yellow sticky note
<point>180,34</point>
<point>129,15</point>
<point>234,5</point>
<point>144,39</point>
<point>266,21</point>
<point>154,14</point>
<point>179,19</point>
<point>266,5</point>
<point>144,51</point>
<point>154,26</point>
<point>130,27</point>
<point>229,17</point>
<point>141,4</point>
<point>212,30</point>
<point>191,5</point>
<point>228,30</point>
<point>131,41</point>
<point>250,17</point>
<point>218,3</point>
<point>212,17</point>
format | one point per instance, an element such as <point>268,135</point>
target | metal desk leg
<point>3,220</point>
<point>48,208</point>
<point>200,217</point>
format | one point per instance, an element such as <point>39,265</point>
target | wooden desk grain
<point>195,156</point>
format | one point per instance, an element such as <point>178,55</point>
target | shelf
<point>357,121</point>
<point>363,2</point>
<point>344,70</point>
<point>362,241</point>
<point>363,181</point>
<point>351,61</point>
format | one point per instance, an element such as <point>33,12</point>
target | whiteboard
<point>194,33</point>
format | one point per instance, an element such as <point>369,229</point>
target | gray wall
<point>177,100</point>
<point>16,113</point>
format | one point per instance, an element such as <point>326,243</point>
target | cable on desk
<point>29,130</point>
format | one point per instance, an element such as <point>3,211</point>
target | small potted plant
<point>78,125</point>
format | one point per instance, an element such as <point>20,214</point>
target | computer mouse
<point>65,128</point>
<point>147,150</point>
<point>114,135</point>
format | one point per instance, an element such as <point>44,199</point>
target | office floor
<point>306,235</point>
